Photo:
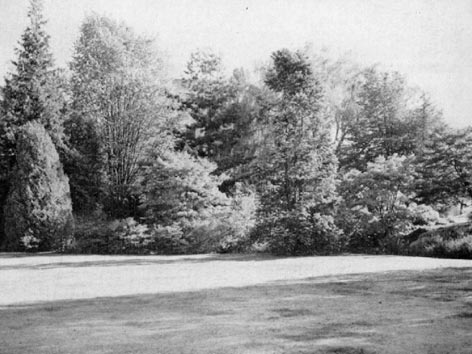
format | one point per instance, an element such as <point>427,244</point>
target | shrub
<point>378,212</point>
<point>189,213</point>
<point>446,242</point>
<point>93,235</point>
<point>236,226</point>
<point>170,240</point>
<point>134,237</point>
<point>421,214</point>
<point>38,210</point>
<point>299,234</point>
<point>435,246</point>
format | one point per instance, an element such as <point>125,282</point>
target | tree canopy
<point>306,155</point>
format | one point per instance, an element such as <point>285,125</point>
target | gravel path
<point>33,279</point>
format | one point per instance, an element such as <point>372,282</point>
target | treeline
<point>316,157</point>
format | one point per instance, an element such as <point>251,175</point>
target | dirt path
<point>52,278</point>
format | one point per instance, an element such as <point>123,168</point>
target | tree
<point>38,210</point>
<point>296,165</point>
<point>381,116</point>
<point>34,91</point>
<point>120,113</point>
<point>208,99</point>
<point>186,207</point>
<point>445,167</point>
<point>376,203</point>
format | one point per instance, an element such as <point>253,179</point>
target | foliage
<point>445,167</point>
<point>38,210</point>
<point>208,96</point>
<point>93,235</point>
<point>381,116</point>
<point>121,112</point>
<point>34,91</point>
<point>178,186</point>
<point>296,166</point>
<point>375,203</point>
<point>295,233</point>
<point>182,194</point>
<point>223,113</point>
<point>322,155</point>
<point>444,244</point>
<point>240,221</point>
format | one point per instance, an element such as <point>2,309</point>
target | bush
<point>93,235</point>
<point>436,246</point>
<point>186,214</point>
<point>299,234</point>
<point>236,226</point>
<point>374,211</point>
<point>453,241</point>
<point>38,210</point>
<point>189,212</point>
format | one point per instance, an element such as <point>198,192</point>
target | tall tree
<point>120,113</point>
<point>296,166</point>
<point>208,98</point>
<point>34,91</point>
<point>381,116</point>
<point>38,210</point>
<point>445,167</point>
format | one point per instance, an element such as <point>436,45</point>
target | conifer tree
<point>38,210</point>
<point>34,91</point>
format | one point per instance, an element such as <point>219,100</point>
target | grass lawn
<point>427,311</point>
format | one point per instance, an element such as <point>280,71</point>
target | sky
<point>429,41</point>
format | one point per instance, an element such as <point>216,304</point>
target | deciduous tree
<point>296,165</point>
<point>120,112</point>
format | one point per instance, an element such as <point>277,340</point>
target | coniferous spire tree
<point>34,91</point>
<point>38,210</point>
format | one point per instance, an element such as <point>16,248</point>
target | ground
<point>234,304</point>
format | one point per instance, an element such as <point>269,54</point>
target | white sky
<point>430,41</point>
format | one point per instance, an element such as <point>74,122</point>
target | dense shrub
<point>448,242</point>
<point>190,213</point>
<point>38,210</point>
<point>378,209</point>
<point>436,246</point>
<point>93,235</point>
<point>299,234</point>
<point>96,235</point>
<point>240,219</point>
<point>226,232</point>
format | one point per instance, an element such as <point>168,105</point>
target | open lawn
<point>234,304</point>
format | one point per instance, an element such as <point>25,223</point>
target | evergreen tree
<point>296,165</point>
<point>381,116</point>
<point>34,91</point>
<point>224,115</point>
<point>38,210</point>
<point>208,98</point>
<point>445,167</point>
<point>180,188</point>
